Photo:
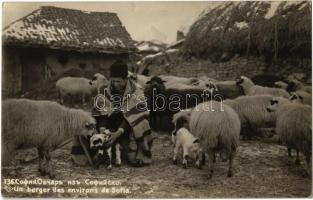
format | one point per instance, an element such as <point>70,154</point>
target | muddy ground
<point>262,170</point>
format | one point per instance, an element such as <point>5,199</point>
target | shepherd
<point>123,111</point>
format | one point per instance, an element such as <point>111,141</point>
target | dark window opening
<point>63,59</point>
<point>82,65</point>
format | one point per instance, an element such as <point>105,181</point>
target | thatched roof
<point>272,29</point>
<point>69,29</point>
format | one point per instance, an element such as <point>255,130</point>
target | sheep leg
<point>200,160</point>
<point>118,155</point>
<point>230,169</point>
<point>309,164</point>
<point>185,156</point>
<point>84,99</point>
<point>289,152</point>
<point>211,163</point>
<point>176,148</point>
<point>203,158</point>
<point>297,157</point>
<point>49,169</point>
<point>41,168</point>
<point>110,158</point>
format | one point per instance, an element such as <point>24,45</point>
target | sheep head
<point>99,80</point>
<point>296,97</point>
<point>275,103</point>
<point>89,128</point>
<point>97,141</point>
<point>245,83</point>
<point>156,83</point>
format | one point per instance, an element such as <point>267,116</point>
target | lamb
<point>301,97</point>
<point>97,142</point>
<point>218,128</point>
<point>71,86</point>
<point>41,124</point>
<point>252,112</point>
<point>293,126</point>
<point>251,89</point>
<point>182,138</point>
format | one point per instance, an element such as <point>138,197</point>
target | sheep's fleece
<point>45,124</point>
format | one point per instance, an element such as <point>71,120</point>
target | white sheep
<point>250,88</point>
<point>139,79</point>
<point>99,81</point>
<point>295,85</point>
<point>301,97</point>
<point>97,142</point>
<point>72,86</point>
<point>41,124</point>
<point>293,126</point>
<point>218,129</point>
<point>252,112</point>
<point>281,84</point>
<point>181,83</point>
<point>182,138</point>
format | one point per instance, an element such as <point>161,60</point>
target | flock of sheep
<point>215,126</point>
<point>200,126</point>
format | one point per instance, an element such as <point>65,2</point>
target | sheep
<point>41,124</point>
<point>294,85</point>
<point>97,142</point>
<point>228,89</point>
<point>139,79</point>
<point>99,81</point>
<point>281,84</point>
<point>301,97</point>
<point>182,138</point>
<point>252,112</point>
<point>293,126</point>
<point>174,82</point>
<point>251,89</point>
<point>268,80</point>
<point>218,128</point>
<point>71,86</point>
<point>163,103</point>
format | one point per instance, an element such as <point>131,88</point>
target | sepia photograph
<point>156,99</point>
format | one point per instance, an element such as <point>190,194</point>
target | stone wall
<point>220,71</point>
<point>230,70</point>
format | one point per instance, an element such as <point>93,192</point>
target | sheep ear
<point>196,140</point>
<point>148,82</point>
<point>163,81</point>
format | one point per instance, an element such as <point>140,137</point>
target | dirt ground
<point>262,170</point>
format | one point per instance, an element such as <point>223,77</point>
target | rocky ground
<point>262,170</point>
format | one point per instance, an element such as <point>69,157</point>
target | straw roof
<point>272,29</point>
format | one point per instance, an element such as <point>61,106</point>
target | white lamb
<point>190,145</point>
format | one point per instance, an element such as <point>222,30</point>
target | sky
<point>143,20</point>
